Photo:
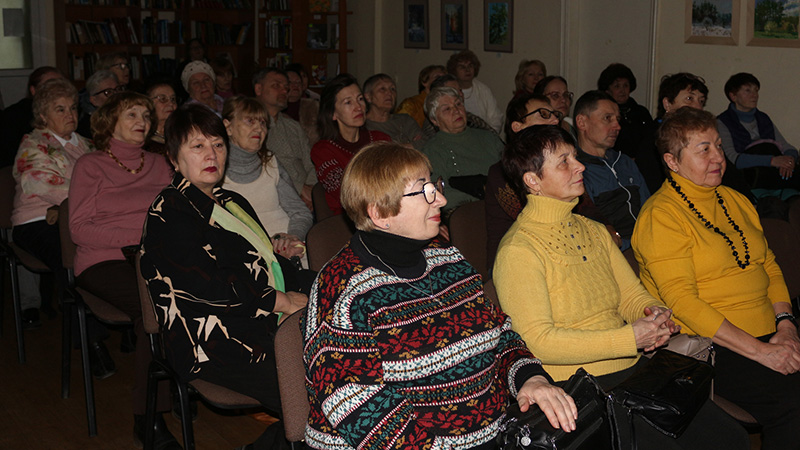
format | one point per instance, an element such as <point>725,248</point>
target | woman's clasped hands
<point>655,328</point>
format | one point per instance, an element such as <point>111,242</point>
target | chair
<point>326,238</point>
<point>783,240</point>
<point>81,300</point>
<point>291,378</point>
<point>160,369</point>
<point>14,255</point>
<point>321,209</point>
<point>468,234</point>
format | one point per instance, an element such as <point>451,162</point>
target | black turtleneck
<point>390,252</point>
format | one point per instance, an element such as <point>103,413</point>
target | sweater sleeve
<point>208,268</point>
<point>305,155</point>
<point>300,218</point>
<point>83,211</point>
<point>520,274</point>
<point>668,263</point>
<point>787,148</point>
<point>37,171</point>
<point>330,169</point>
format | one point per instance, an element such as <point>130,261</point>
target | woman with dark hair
<point>223,70</point>
<point>165,101</point>
<point>701,249</point>
<point>478,98</point>
<point>218,287</point>
<point>530,72</point>
<point>109,195</point>
<point>636,124</point>
<point>342,115</point>
<point>403,349</point>
<point>555,88</point>
<point>572,295</point>
<point>255,173</point>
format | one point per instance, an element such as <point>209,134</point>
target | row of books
<point>223,4</point>
<point>162,31</point>
<point>118,30</point>
<point>83,66</point>
<point>278,32</point>
<point>155,4</point>
<point>162,4</point>
<point>277,5</point>
<point>218,34</point>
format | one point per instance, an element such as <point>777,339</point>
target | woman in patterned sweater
<point>402,349</point>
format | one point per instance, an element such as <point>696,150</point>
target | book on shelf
<point>278,5</point>
<point>280,60</point>
<point>318,74</point>
<point>278,32</point>
<point>317,37</point>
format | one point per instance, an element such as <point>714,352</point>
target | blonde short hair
<point>47,93</point>
<point>377,176</point>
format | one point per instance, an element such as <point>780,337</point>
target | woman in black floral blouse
<point>218,288</point>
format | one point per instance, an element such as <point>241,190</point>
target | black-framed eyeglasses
<point>161,98</point>
<point>122,65</point>
<point>429,190</point>
<point>555,96</point>
<point>110,91</point>
<point>544,113</point>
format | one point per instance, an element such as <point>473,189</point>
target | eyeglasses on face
<point>161,98</point>
<point>544,113</point>
<point>555,96</point>
<point>429,190</point>
<point>110,91</point>
<point>122,65</point>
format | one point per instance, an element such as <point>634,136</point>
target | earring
<point>386,226</point>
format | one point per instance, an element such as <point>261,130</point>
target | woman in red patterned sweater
<point>402,349</point>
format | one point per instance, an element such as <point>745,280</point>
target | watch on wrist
<point>785,316</point>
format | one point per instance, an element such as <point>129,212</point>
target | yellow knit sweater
<point>569,291</point>
<point>692,269</point>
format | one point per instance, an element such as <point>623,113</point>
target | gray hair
<point>433,98</point>
<point>97,78</point>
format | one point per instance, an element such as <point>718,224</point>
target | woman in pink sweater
<point>110,193</point>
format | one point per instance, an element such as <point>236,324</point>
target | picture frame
<point>455,20</point>
<point>712,22</point>
<point>498,25</point>
<point>416,29</point>
<point>768,27</point>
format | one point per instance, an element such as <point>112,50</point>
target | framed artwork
<point>772,23</point>
<point>417,31</point>
<point>712,21</point>
<point>498,26</point>
<point>454,24</point>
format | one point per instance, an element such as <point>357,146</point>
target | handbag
<point>667,392</point>
<point>594,428</point>
<point>700,348</point>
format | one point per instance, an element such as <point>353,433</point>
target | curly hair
<point>104,120</point>
<point>47,93</point>
<point>463,56</point>
<point>673,134</point>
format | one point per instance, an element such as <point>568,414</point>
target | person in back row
<point>415,106</point>
<point>380,92</point>
<point>478,98</point>
<point>612,179</point>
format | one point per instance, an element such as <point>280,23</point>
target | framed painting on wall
<point>498,26</point>
<point>416,29</point>
<point>454,25</point>
<point>772,23</point>
<point>712,21</point>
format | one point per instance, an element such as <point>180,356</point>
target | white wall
<point>776,68</point>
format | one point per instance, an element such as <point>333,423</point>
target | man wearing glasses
<point>99,87</point>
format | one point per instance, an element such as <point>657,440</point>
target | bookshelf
<point>311,32</point>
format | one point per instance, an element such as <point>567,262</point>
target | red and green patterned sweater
<point>390,366</point>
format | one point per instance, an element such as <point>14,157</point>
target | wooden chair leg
<point>87,371</point>
<point>12,265</point>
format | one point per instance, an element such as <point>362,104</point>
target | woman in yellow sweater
<point>701,249</point>
<point>570,292</point>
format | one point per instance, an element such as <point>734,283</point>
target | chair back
<point>8,187</point>
<point>148,309</point>
<point>292,377</point>
<point>68,247</point>
<point>321,209</point>
<point>326,238</point>
<point>783,240</point>
<point>468,234</point>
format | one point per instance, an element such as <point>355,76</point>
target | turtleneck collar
<point>390,252</point>
<point>692,190</point>
<point>353,147</point>
<point>124,150</point>
<point>243,166</point>
<point>548,210</point>
<point>745,117</point>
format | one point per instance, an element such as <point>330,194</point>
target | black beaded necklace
<point>714,228</point>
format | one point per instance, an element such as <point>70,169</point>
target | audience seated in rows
<point>555,88</point>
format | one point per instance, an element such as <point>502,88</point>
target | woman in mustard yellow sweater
<point>570,292</point>
<point>701,249</point>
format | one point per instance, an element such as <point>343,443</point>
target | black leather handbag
<point>667,392</point>
<point>594,429</point>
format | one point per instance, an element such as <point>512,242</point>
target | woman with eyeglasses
<point>555,88</point>
<point>165,101</point>
<point>254,172</point>
<point>403,349</point>
<point>116,62</point>
<point>458,153</point>
<point>99,88</point>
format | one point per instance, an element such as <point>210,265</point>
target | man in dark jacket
<point>611,179</point>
